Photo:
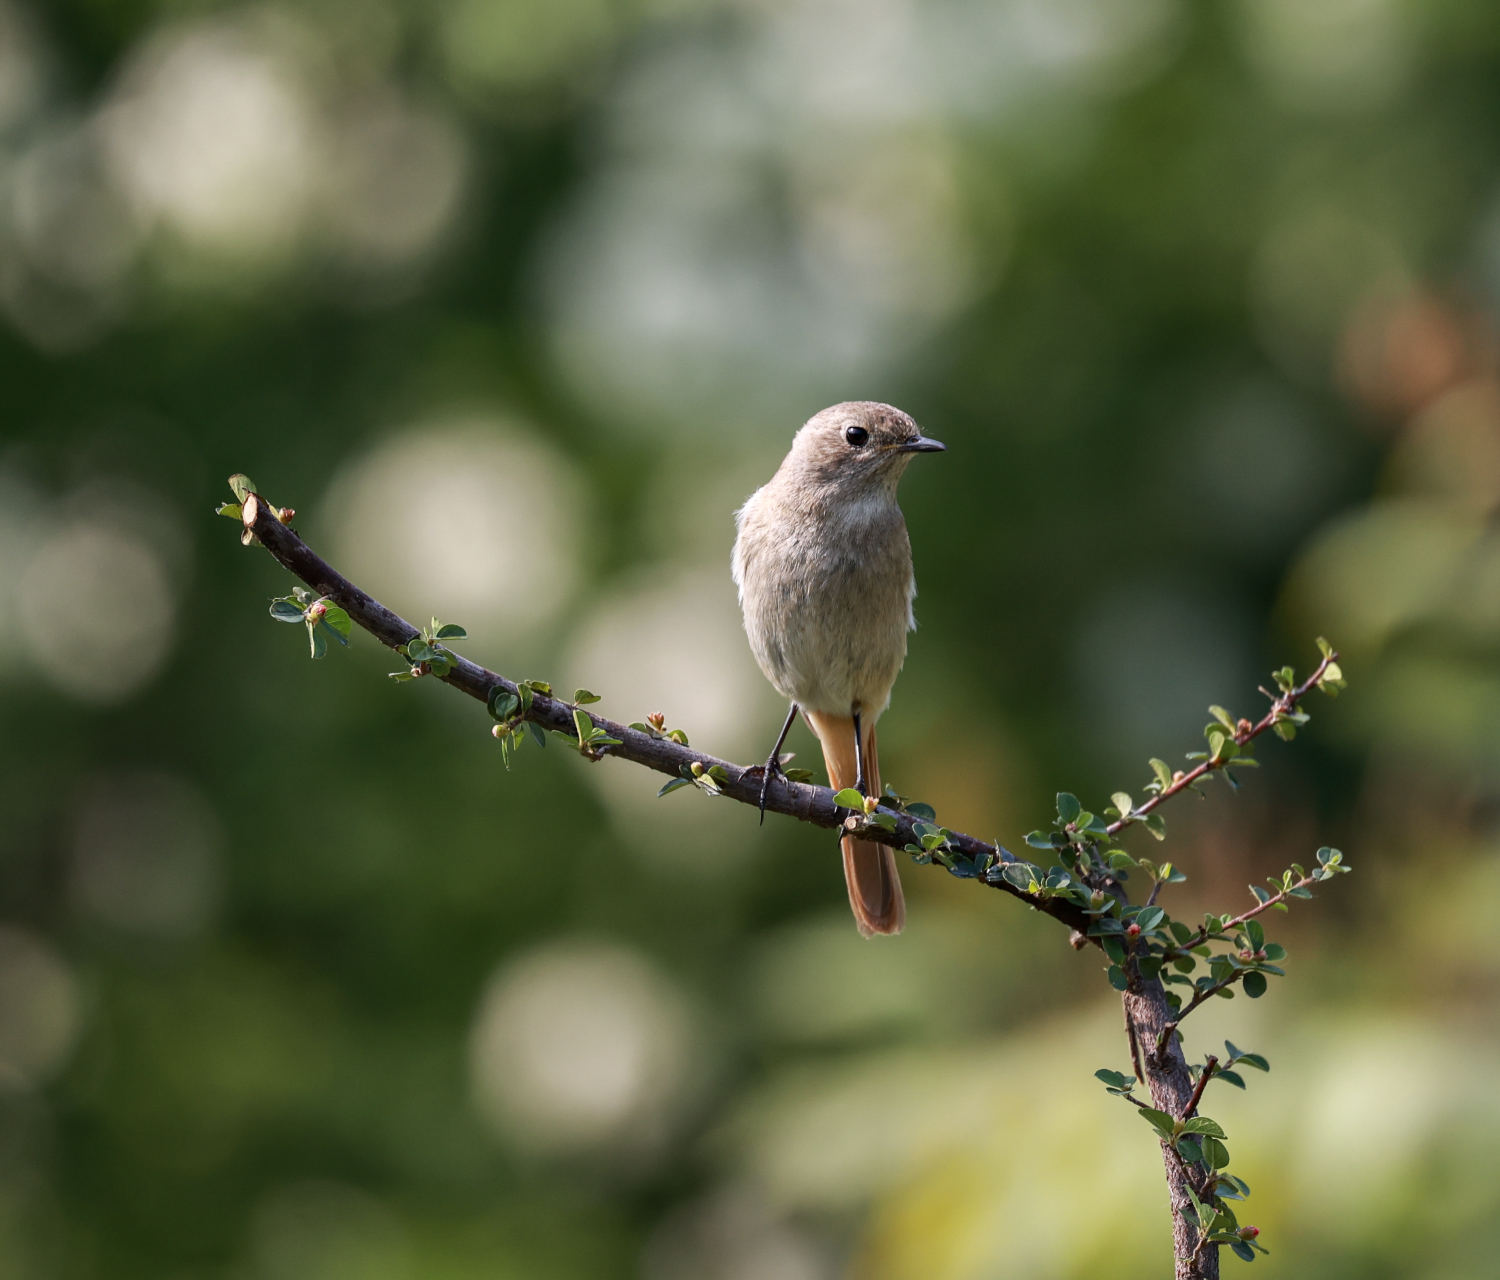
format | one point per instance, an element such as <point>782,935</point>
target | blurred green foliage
<point>515,302</point>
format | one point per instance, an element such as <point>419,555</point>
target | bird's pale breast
<point>827,598</point>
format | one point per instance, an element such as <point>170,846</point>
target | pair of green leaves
<point>323,619</point>
<point>591,739</point>
<point>1236,1057</point>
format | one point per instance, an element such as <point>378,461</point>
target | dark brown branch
<point>803,801</point>
<point>1171,1085</point>
<point>1209,1068</point>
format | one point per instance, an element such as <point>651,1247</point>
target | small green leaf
<point>1156,826</point>
<point>1202,1124</point>
<point>337,620</point>
<point>418,650</point>
<point>1324,647</point>
<point>1256,934</point>
<point>1068,807</point>
<point>1223,717</point>
<point>1149,917</point>
<point>797,775</point>
<point>1115,1079</point>
<point>286,611</point>
<point>233,510</point>
<point>503,703</point>
<point>1163,772</point>
<point>242,485</point>
<point>450,631</point>
<point>1160,1121</point>
<point>540,686</point>
<point>849,798</point>
<point>1123,802</point>
<point>672,785</point>
<point>537,735</point>
<point>316,643</point>
<point>1255,985</point>
<point>1285,730</point>
<point>1117,976</point>
<point>583,697</point>
<point>1230,1077</point>
<point>919,810</point>
<point>1253,1060</point>
<point>1189,1150</point>
<point>1215,1152</point>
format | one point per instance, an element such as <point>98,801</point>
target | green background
<point>515,301</point>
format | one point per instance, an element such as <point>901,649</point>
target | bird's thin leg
<point>860,784</point>
<point>773,764</point>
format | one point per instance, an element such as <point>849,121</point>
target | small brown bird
<point>823,567</point>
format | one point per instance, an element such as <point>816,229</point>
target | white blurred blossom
<point>474,521</point>
<point>674,643</point>
<point>393,182</point>
<point>97,606</point>
<point>67,239</point>
<point>238,144</point>
<point>213,130</point>
<point>581,1045</point>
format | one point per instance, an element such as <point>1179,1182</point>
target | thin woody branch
<point>806,802</point>
<point>1209,1067</point>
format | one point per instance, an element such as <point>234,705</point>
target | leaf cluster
<point>242,486</point>
<point>426,653</point>
<point>323,619</point>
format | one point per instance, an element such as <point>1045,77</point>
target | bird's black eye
<point>856,436</point>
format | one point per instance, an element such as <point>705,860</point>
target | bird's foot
<point>772,770</point>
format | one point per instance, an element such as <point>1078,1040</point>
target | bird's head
<point>858,446</point>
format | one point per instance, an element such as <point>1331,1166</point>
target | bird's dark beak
<point>922,445</point>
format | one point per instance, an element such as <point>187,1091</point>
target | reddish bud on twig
<point>1248,1233</point>
<point>1132,930</point>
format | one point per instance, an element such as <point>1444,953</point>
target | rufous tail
<point>869,868</point>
